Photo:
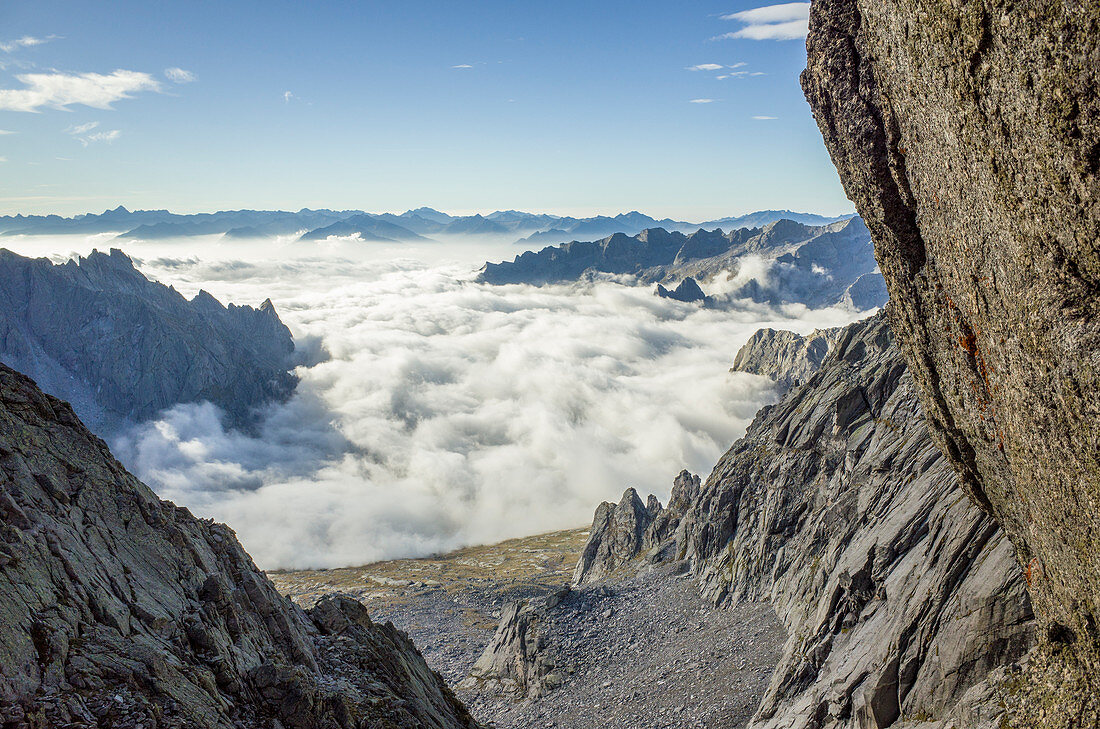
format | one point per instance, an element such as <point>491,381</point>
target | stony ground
<point>640,653</point>
<point>645,653</point>
<point>448,604</point>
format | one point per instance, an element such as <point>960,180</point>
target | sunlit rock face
<point>786,357</point>
<point>968,135</point>
<point>118,609</point>
<point>99,334</point>
<point>901,597</point>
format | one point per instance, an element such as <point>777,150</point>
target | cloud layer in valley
<point>434,412</point>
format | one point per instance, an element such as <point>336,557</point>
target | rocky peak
<point>630,530</point>
<point>786,357</point>
<point>119,346</point>
<point>688,291</point>
<point>784,230</point>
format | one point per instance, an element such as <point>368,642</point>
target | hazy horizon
<point>483,211</point>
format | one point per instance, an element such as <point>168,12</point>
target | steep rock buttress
<point>968,136</point>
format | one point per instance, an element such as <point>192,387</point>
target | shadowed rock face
<point>118,609</point>
<point>100,335</point>
<point>968,135</point>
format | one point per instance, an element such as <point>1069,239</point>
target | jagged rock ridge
<point>623,532</point>
<point>99,334</point>
<point>901,598</point>
<point>813,265</point>
<point>968,136</point>
<point>786,357</point>
<point>118,609</point>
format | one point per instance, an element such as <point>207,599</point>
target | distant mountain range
<point>413,225</point>
<point>815,265</point>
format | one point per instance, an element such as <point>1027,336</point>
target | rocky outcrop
<point>118,609</point>
<point>786,357</point>
<point>98,334</point>
<point>688,291</point>
<point>624,532</point>
<point>516,660</point>
<point>813,265</point>
<point>968,135</point>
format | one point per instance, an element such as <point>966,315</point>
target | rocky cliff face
<point>968,135</point>
<point>901,598</point>
<point>118,609</point>
<point>100,335</point>
<point>786,357</point>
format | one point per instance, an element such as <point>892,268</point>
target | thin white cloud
<point>702,101</point>
<point>462,65</point>
<point>24,42</point>
<point>5,131</point>
<point>772,14</point>
<point>178,75</point>
<point>81,132</point>
<point>3,159</point>
<point>105,137</point>
<point>787,21</point>
<point>82,128</point>
<point>287,96</point>
<point>60,90</point>
<point>739,64</point>
<point>706,67</point>
<point>765,118</point>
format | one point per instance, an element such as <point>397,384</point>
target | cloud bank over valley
<point>434,412</point>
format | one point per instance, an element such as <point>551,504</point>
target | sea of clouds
<point>434,412</point>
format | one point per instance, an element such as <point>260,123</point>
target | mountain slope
<point>97,332</point>
<point>765,217</point>
<point>118,609</point>
<point>901,598</point>
<point>367,227</point>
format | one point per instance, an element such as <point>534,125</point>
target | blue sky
<point>564,107</point>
